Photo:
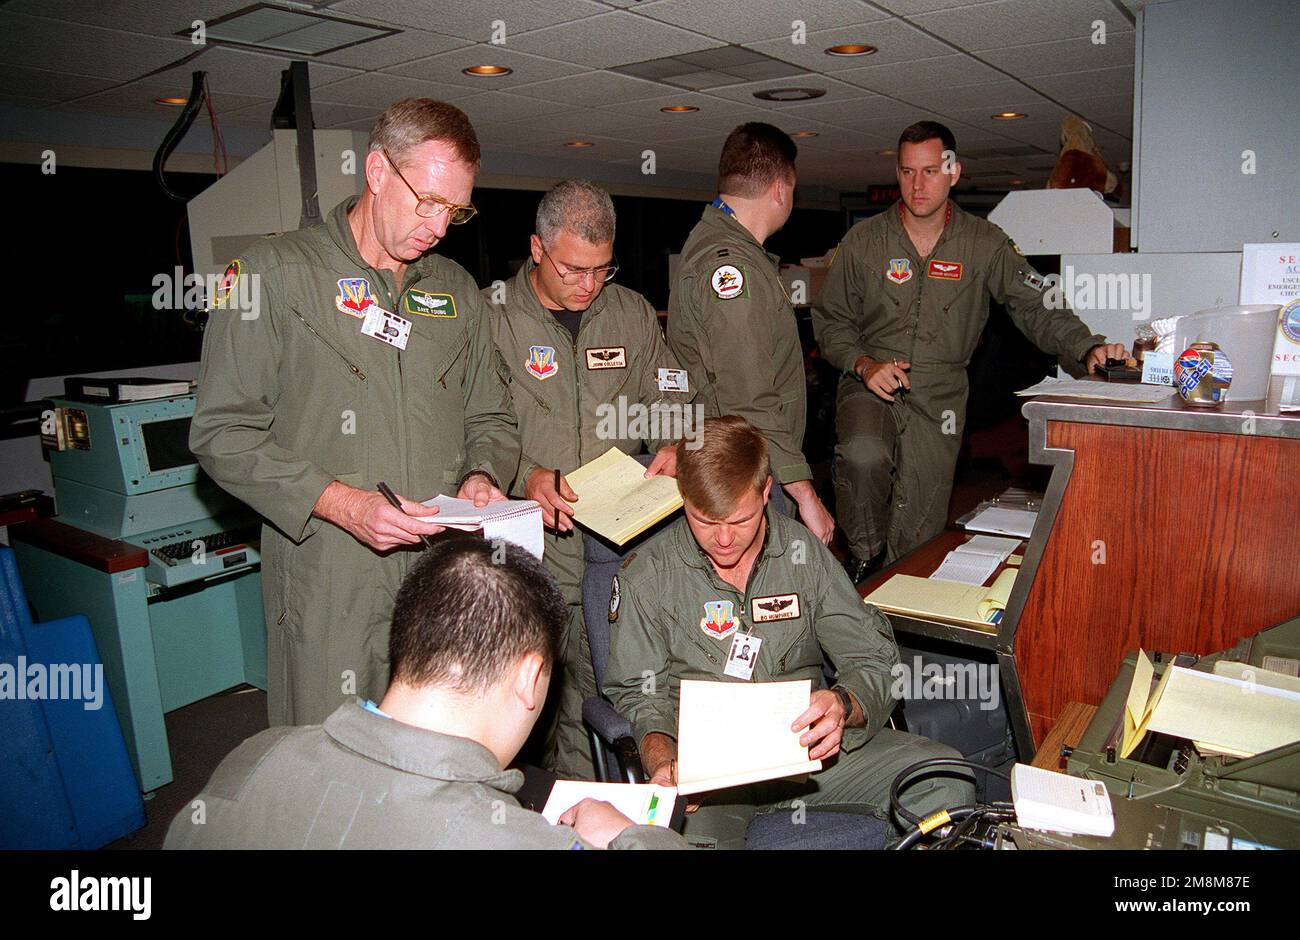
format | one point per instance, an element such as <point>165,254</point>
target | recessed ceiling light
<point>887,153</point>
<point>803,135</point>
<point>790,94</point>
<point>1017,182</point>
<point>172,101</point>
<point>679,108</point>
<point>850,49</point>
<point>578,144</point>
<point>1009,116</point>
<point>487,70</point>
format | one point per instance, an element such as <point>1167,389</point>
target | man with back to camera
<point>580,348</point>
<point>729,319</point>
<point>473,641</point>
<point>733,574</point>
<point>903,305</point>
<point>366,359</point>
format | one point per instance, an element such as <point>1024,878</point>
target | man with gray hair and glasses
<point>583,352</point>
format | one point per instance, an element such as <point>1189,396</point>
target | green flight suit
<point>293,396</point>
<point>894,462</point>
<point>661,628</point>
<point>732,325</point>
<point>366,781</point>
<point>572,398</point>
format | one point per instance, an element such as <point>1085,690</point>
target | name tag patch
<point>611,357</point>
<point>776,607</point>
<point>424,304</point>
<point>674,380</point>
<point>945,270</point>
<point>386,327</point>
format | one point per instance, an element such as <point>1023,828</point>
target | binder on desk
<point>968,604</point>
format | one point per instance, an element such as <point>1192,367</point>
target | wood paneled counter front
<point>1165,527</point>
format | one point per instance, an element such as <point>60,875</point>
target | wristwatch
<point>846,699</point>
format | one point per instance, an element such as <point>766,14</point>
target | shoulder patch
<point>727,281</point>
<point>226,285</point>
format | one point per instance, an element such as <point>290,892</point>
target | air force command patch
<point>727,281</point>
<point>354,296</point>
<point>541,362</point>
<point>719,619</point>
<point>900,270</point>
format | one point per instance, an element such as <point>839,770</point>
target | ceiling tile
<point>470,19</point>
<point>499,107</point>
<point>1063,55</point>
<point>447,66</point>
<point>139,100</point>
<point>391,50</point>
<point>613,38</point>
<point>40,43</point>
<point>237,71</point>
<point>380,89</point>
<point>1005,95</point>
<point>1007,22</point>
<point>1094,84</point>
<point>131,16</point>
<point>899,78</point>
<point>895,41</point>
<point>835,91</point>
<point>18,82</point>
<point>592,88</point>
<point>745,21</point>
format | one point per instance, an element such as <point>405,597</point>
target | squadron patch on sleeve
<point>615,599</point>
<point>727,281</point>
<point>227,283</point>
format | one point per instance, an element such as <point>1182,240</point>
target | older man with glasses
<point>582,351</point>
<point>353,356</point>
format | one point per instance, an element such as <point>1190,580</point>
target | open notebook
<point>733,733</point>
<point>616,500</point>
<point>970,604</point>
<point>511,520</point>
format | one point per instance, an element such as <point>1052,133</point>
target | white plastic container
<point>1245,333</point>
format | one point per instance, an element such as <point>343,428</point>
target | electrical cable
<point>178,130</point>
<point>897,786</point>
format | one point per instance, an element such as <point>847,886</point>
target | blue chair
<point>68,782</point>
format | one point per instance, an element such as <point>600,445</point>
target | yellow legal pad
<point>970,604</point>
<point>616,500</point>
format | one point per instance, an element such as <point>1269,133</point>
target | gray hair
<point>577,206</point>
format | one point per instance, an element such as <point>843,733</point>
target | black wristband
<point>846,700</point>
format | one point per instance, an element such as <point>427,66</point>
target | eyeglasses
<point>575,276</point>
<point>429,206</point>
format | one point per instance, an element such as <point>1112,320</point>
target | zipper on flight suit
<point>334,349</point>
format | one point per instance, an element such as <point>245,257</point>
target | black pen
<point>397,504</point>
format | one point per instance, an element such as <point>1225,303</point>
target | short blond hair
<point>412,121</point>
<point>731,458</point>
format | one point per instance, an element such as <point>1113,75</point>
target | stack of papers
<point>646,804</point>
<point>976,560</point>
<point>733,733</point>
<point>617,501</point>
<point>968,604</point>
<point>511,520</point>
<point>1090,388</point>
<point>1218,713</point>
<point>1045,799</point>
<point>1017,522</point>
